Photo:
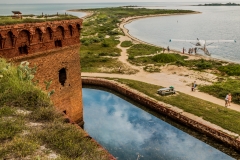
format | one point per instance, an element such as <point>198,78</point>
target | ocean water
<point>212,24</point>
<point>52,8</point>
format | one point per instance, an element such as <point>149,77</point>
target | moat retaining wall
<point>231,140</point>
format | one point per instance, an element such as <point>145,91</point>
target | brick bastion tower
<point>53,46</point>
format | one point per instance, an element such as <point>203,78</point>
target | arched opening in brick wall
<point>70,29</point>
<point>1,42</point>
<point>37,37</point>
<point>23,41</point>
<point>48,35</point>
<point>78,28</point>
<point>59,35</point>
<point>62,76</point>
<point>9,40</point>
<point>59,32</point>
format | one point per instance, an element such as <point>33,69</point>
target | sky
<point>112,1</point>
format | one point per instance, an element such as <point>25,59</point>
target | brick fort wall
<point>53,47</point>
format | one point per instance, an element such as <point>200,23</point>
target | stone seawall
<point>192,121</point>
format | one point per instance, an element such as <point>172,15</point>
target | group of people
<point>190,50</point>
<point>228,100</point>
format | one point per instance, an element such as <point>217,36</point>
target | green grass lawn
<point>216,114</point>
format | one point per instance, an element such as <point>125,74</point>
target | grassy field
<point>97,50</point>
<point>216,114</point>
<point>100,33</point>
<point>31,128</point>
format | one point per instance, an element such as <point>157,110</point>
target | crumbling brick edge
<point>232,140</point>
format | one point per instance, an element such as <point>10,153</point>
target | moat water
<point>130,133</point>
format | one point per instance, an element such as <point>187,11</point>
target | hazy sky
<point>99,1</point>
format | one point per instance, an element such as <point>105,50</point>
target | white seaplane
<point>202,44</point>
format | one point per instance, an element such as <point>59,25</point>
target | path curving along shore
<point>169,75</point>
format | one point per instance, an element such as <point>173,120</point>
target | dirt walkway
<point>166,78</point>
<point>179,77</point>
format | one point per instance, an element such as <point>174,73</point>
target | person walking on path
<point>194,85</point>
<point>226,100</point>
<point>168,49</point>
<point>229,99</point>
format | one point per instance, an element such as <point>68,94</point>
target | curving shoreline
<point>131,19</point>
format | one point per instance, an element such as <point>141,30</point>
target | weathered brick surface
<point>51,46</point>
<point>231,140</point>
<point>38,37</point>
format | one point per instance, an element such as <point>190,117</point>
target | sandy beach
<point>170,75</point>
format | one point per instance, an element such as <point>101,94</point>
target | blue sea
<point>213,23</point>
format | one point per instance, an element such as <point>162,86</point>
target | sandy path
<point>165,78</point>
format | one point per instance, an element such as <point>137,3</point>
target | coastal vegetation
<point>219,4</point>
<point>100,38</point>
<point>103,25</point>
<point>8,20</point>
<point>31,128</point>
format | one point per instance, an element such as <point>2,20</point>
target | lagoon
<point>128,132</point>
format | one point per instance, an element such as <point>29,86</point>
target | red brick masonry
<point>53,47</point>
<point>232,140</point>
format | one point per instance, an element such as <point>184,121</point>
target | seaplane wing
<point>182,40</point>
<point>220,41</point>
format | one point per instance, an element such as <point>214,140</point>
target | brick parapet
<point>222,135</point>
<point>29,38</point>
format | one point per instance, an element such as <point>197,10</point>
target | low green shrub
<point>105,44</point>
<point>203,64</point>
<point>231,69</point>
<point>126,44</point>
<point>44,114</point>
<point>221,89</point>
<point>9,128</point>
<point>164,58</point>
<point>19,148</point>
<point>6,111</point>
<point>143,49</point>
